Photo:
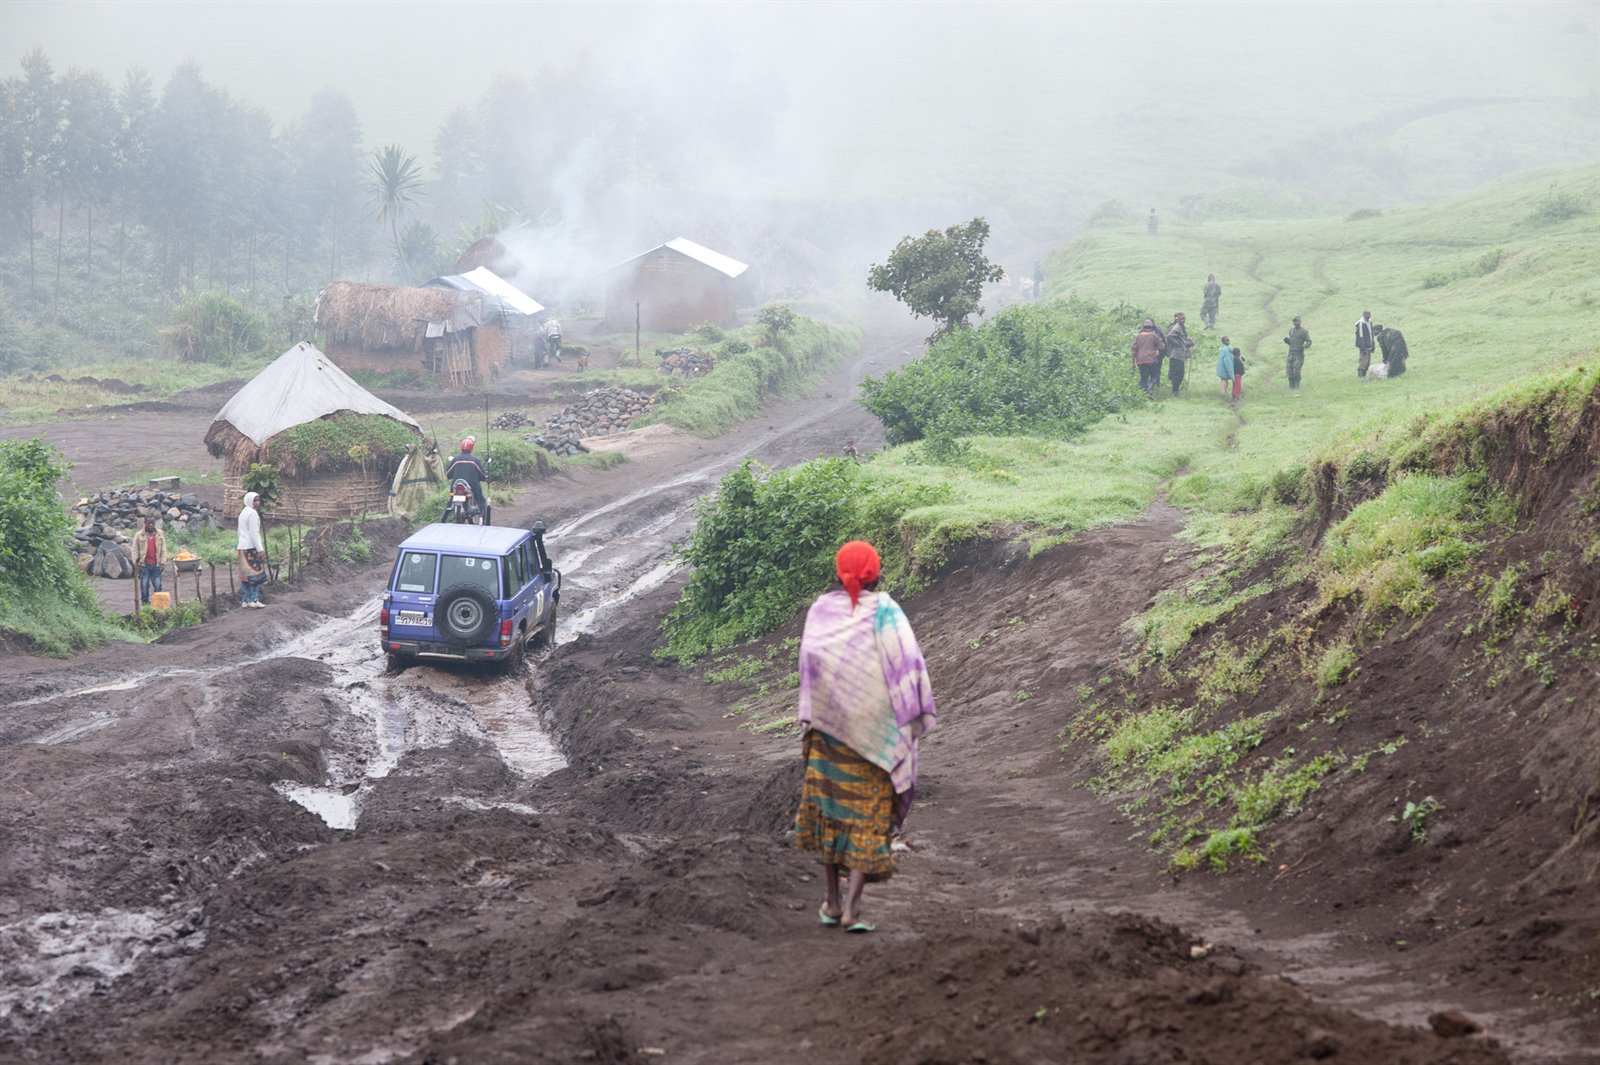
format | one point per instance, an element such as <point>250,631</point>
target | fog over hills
<point>1034,114</point>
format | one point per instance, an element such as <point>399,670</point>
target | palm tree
<point>394,181</point>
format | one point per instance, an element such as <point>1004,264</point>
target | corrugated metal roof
<point>723,264</point>
<point>701,253</point>
<point>496,285</point>
<point>490,283</point>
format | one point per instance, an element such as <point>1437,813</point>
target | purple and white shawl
<point>863,681</point>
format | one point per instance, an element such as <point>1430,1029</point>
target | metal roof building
<point>673,287</point>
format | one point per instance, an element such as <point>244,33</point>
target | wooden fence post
<point>213,567</point>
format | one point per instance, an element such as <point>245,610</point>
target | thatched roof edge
<point>384,316</point>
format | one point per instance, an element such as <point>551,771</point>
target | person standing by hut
<point>1210,299</point>
<point>252,552</point>
<point>865,701</point>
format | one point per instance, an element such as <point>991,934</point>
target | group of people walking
<point>1174,344</point>
<point>1153,344</point>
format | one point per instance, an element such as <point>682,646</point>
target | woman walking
<point>865,700</point>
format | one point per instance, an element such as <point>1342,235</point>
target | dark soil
<point>162,901</point>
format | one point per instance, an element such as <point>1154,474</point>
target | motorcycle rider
<point>466,467</point>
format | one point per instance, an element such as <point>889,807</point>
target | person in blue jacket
<point>1225,369</point>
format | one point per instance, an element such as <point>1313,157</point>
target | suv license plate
<point>411,617</point>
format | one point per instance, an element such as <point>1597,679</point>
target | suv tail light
<point>505,633</point>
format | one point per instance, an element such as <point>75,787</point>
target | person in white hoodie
<point>252,552</point>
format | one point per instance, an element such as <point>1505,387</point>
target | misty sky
<point>939,100</point>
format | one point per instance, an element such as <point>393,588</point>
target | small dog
<point>583,362</point>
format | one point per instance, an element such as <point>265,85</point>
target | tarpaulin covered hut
<point>674,286</point>
<point>338,449</point>
<point>442,332</point>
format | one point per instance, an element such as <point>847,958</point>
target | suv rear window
<point>414,572</point>
<point>462,569</point>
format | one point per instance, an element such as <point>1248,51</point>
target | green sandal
<point>827,919</point>
<point>862,927</point>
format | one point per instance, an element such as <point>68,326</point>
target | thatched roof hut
<point>379,317</point>
<point>335,445</point>
<point>456,336</point>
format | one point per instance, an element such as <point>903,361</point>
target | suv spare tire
<point>465,614</point>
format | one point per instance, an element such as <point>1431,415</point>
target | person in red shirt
<point>150,555</point>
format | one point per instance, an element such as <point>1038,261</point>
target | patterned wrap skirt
<point>846,807</point>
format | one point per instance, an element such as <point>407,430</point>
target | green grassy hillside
<point>1489,289</point>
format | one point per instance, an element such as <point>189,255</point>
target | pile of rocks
<point>511,420</point>
<point>108,520</point>
<point>685,362</point>
<point>563,444</point>
<point>601,412</point>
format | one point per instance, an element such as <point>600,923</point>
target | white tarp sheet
<point>300,386</point>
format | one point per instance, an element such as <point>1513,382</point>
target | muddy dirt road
<point>251,843</point>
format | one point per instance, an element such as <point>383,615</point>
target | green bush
<point>151,623</point>
<point>764,545</point>
<point>1289,485</point>
<point>33,524</point>
<point>43,598</point>
<point>354,546</point>
<point>1039,370</point>
<point>213,327</point>
<point>1435,280</point>
<point>744,378</point>
<point>514,459</point>
<point>1557,207</point>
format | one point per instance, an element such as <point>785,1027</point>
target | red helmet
<point>467,443</point>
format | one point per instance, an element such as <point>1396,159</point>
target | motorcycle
<point>463,509</point>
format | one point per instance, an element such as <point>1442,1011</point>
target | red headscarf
<point>857,564</point>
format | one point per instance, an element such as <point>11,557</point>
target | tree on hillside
<point>394,182</point>
<point>37,99</point>
<point>939,275</point>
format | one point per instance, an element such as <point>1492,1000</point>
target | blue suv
<point>471,593</point>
